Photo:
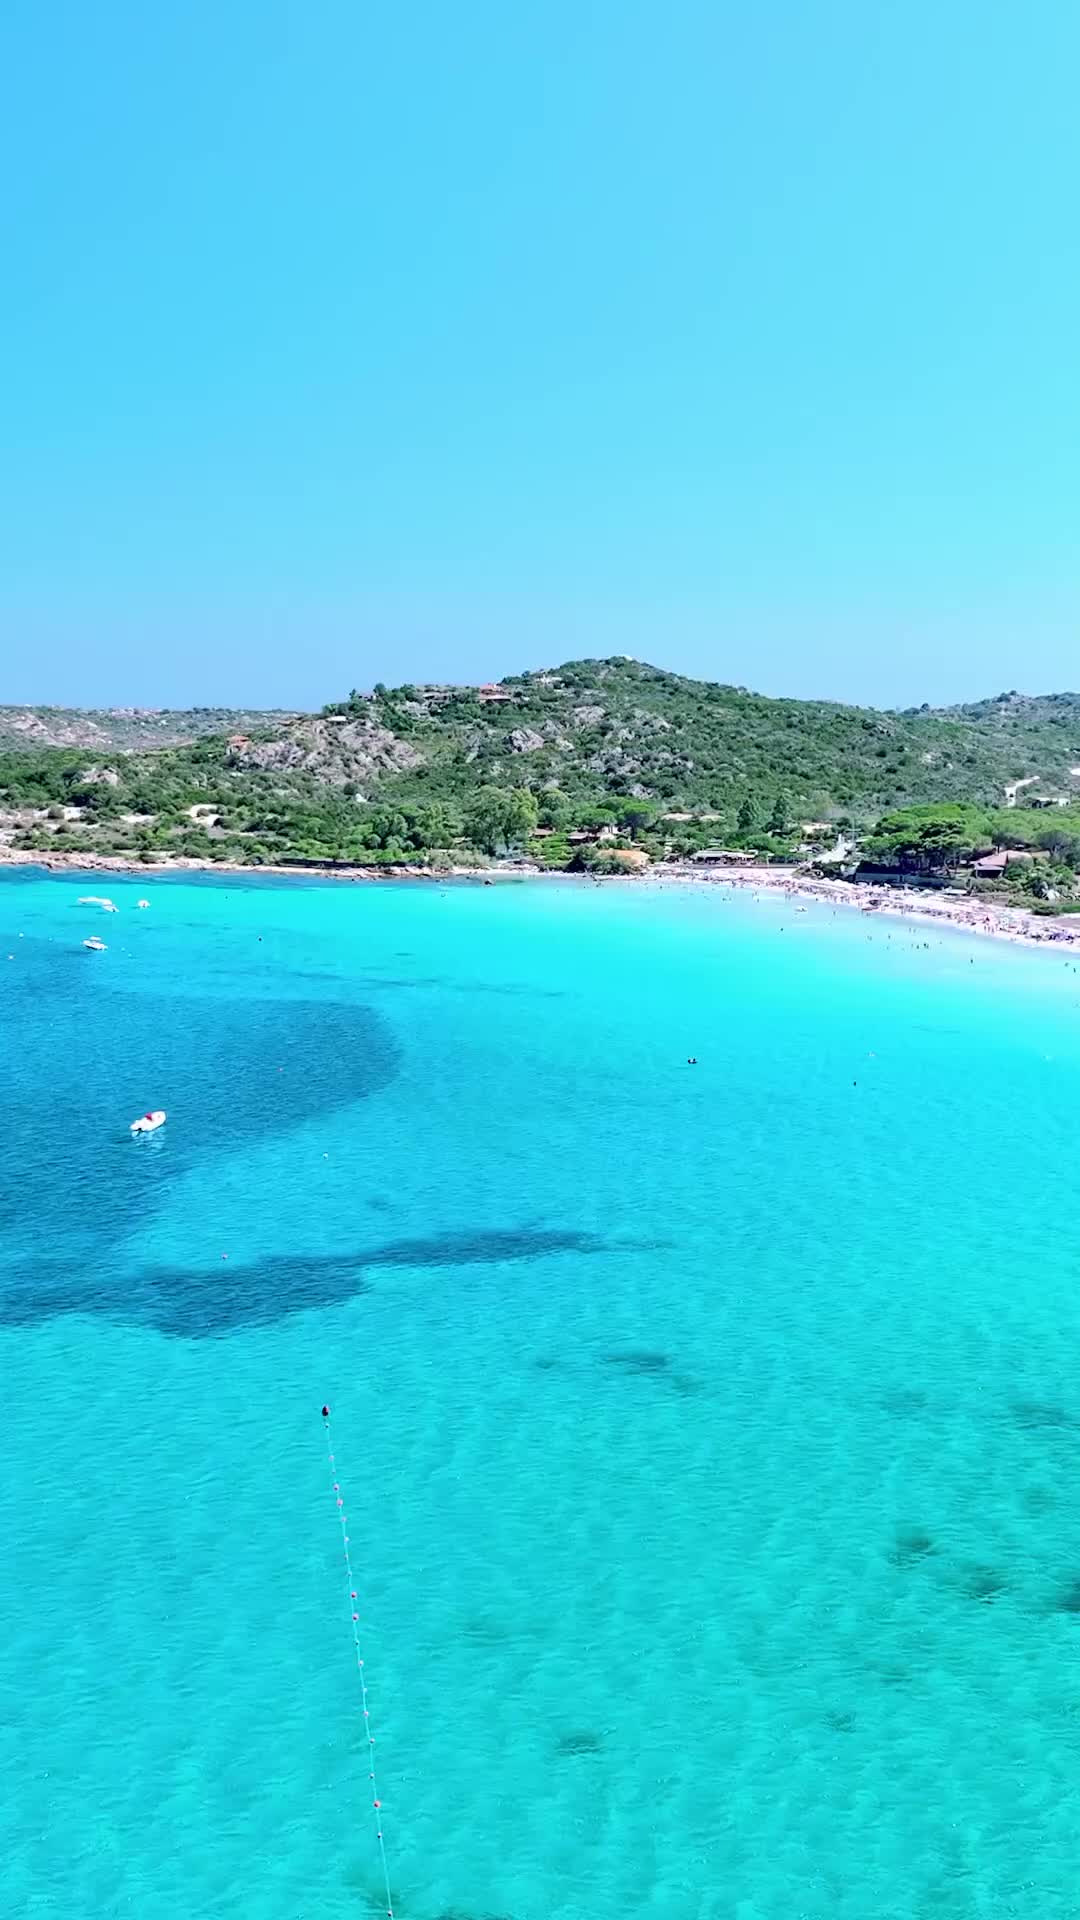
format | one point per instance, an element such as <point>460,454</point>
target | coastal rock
<point>526,740</point>
<point>613,760</point>
<point>338,750</point>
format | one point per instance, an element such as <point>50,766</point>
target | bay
<point>707,1433</point>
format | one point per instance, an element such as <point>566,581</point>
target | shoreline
<point>988,919</point>
<point>122,864</point>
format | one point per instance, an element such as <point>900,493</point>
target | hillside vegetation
<point>406,772</point>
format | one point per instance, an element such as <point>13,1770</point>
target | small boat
<point>142,903</point>
<point>148,1122</point>
<point>95,945</point>
<point>92,900</point>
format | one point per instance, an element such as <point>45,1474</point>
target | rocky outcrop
<point>336,749</point>
<point>27,728</point>
<point>123,729</point>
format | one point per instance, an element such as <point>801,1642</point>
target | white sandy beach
<point>971,915</point>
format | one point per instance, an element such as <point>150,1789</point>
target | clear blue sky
<point>350,342</point>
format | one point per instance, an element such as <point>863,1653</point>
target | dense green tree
<point>500,818</point>
<point>924,838</point>
<point>637,816</point>
<point>554,809</point>
<point>1063,842</point>
<point>591,817</point>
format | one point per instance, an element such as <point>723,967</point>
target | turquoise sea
<point>709,1435</point>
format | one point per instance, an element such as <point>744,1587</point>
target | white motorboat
<point>149,1122</point>
<point>95,945</point>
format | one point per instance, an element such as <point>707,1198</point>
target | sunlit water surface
<point>709,1435</point>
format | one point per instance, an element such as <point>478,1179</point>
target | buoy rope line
<point>353,1609</point>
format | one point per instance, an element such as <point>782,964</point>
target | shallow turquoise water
<point>709,1435</point>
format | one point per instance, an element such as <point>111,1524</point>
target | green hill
<point>619,727</point>
<point>397,771</point>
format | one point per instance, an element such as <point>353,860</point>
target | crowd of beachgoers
<point>969,913</point>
